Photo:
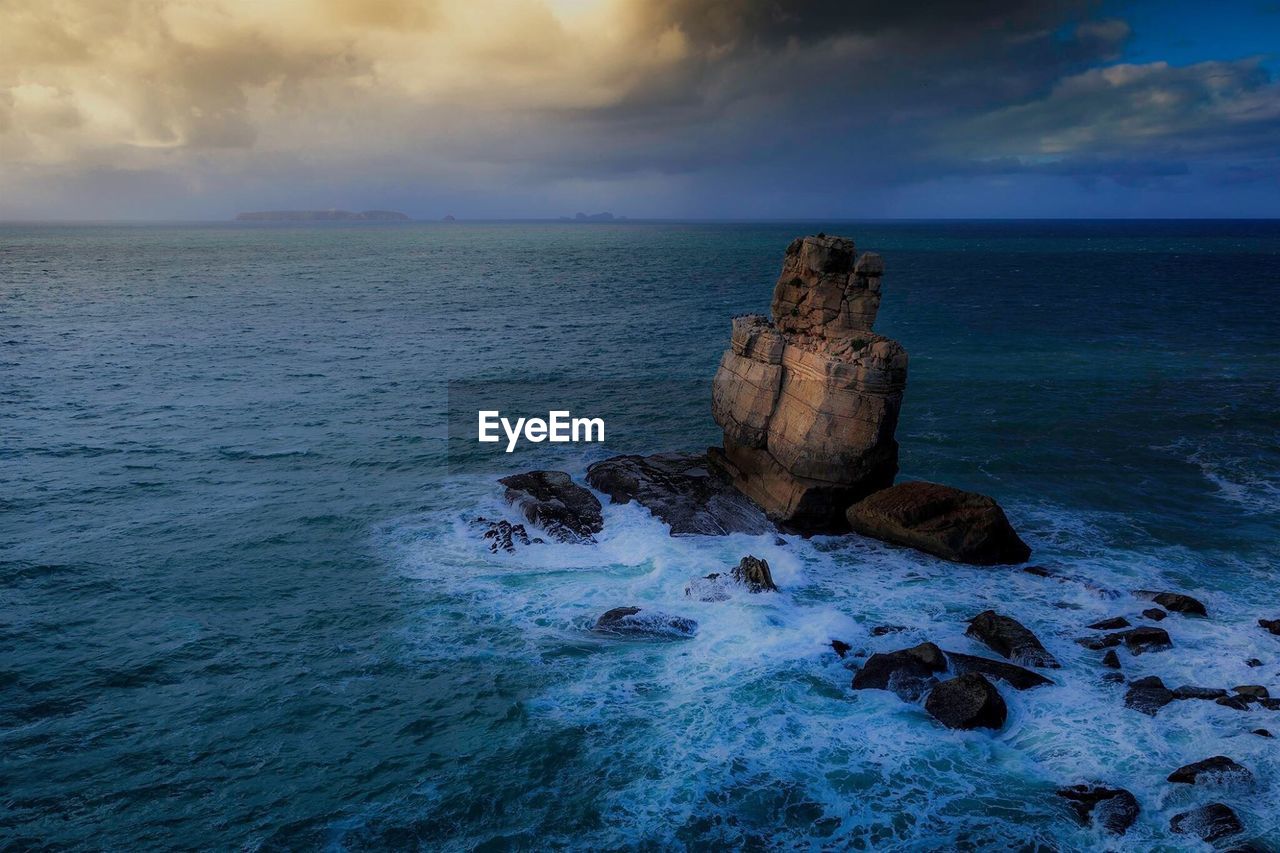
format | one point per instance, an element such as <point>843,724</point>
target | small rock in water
<point>1010,638</point>
<point>840,647</point>
<point>637,622</point>
<point>906,672</point>
<point>1111,660</point>
<point>1174,601</point>
<point>1014,675</point>
<point>1110,624</point>
<point>1262,733</point>
<point>1208,823</point>
<point>1155,614</point>
<point>1137,640</point>
<point>1148,695</point>
<point>1235,703</point>
<point>754,573</point>
<point>881,630</point>
<point>551,500</point>
<point>1114,809</point>
<point>1113,678</point>
<point>1255,691</point>
<point>967,701</point>
<point>503,535</point>
<point>1040,571</point>
<point>1272,625</point>
<point>1219,766</point>
<point>1188,691</point>
<point>1251,662</point>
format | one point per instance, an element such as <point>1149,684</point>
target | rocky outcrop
<point>1272,625</point>
<point>1136,640</point>
<point>1014,675</point>
<point>809,401</point>
<point>685,490</point>
<point>1148,695</point>
<point>964,527</point>
<point>637,622</point>
<point>753,573</point>
<point>1190,691</point>
<point>1114,809</point>
<point>502,535</point>
<point>906,672</point>
<point>1208,823</point>
<point>967,701</point>
<point>1174,602</point>
<point>1219,767</point>
<point>1010,638</point>
<point>552,501</point>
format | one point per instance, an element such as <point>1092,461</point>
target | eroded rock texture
<point>809,400</point>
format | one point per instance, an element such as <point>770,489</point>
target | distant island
<point>322,216</point>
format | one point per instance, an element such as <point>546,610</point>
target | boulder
<point>967,701</point>
<point>1017,677</point>
<point>1136,640</point>
<point>964,527</point>
<point>1010,638</point>
<point>1114,809</point>
<point>687,491</point>
<point>809,398</point>
<point>1208,823</point>
<point>1188,691</point>
<point>1272,625</point>
<point>638,622</point>
<point>1110,624</point>
<point>1262,733</point>
<point>1219,767</point>
<point>1155,614</point>
<point>754,573</point>
<point>1235,703</point>
<point>1110,660</point>
<point>1174,601</point>
<point>881,630</point>
<point>906,672</point>
<point>1253,662</point>
<point>552,501</point>
<point>1148,695</point>
<point>841,648</point>
<point>1253,691</point>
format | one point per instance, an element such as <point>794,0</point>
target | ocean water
<point>241,606</point>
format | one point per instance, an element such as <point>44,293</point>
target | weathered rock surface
<point>1136,640</point>
<point>1114,809</point>
<point>1175,602</point>
<point>754,574</point>
<point>1148,695</point>
<point>1219,767</point>
<point>1010,638</point>
<point>1017,677</point>
<point>1208,823</point>
<point>964,527</point>
<point>503,535</point>
<point>906,672</point>
<point>638,622</point>
<point>809,402</point>
<point>967,701</point>
<point>552,501</point>
<point>687,491</point>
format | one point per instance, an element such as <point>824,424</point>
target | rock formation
<point>967,701</point>
<point>809,402</point>
<point>638,622</point>
<point>1010,638</point>
<point>552,501</point>
<point>1210,823</point>
<point>1114,809</point>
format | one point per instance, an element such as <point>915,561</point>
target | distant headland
<point>322,216</point>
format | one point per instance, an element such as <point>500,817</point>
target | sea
<point>244,604</point>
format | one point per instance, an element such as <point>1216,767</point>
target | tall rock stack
<point>809,402</point>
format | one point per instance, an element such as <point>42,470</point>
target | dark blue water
<point>242,607</point>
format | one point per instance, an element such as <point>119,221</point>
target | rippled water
<point>242,606</point>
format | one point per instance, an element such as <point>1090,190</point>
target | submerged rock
<point>1235,703</point>
<point>964,527</point>
<point>687,491</point>
<point>1110,660</point>
<point>637,622</point>
<point>503,535</point>
<point>906,672</point>
<point>1114,809</point>
<point>882,630</point>
<point>1217,767</point>
<point>1148,695</point>
<point>552,501</point>
<point>1254,691</point>
<point>1272,625</point>
<point>714,587</point>
<point>808,399</point>
<point>1136,640</point>
<point>1262,733</point>
<point>754,573</point>
<point>1208,823</point>
<point>1175,602</point>
<point>967,701</point>
<point>1110,624</point>
<point>1155,614</point>
<point>1188,691</point>
<point>841,648</point>
<point>1010,638</point>
<point>1014,675</point>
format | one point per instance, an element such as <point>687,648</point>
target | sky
<point>742,109</point>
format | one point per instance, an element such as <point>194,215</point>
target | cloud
<point>513,107</point>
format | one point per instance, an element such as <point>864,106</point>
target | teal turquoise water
<point>241,606</point>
